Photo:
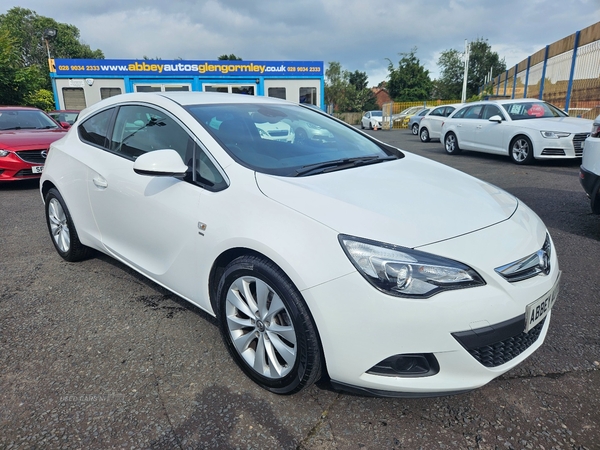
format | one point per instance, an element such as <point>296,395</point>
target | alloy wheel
<point>260,327</point>
<point>59,227</point>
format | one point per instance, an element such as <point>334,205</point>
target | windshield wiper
<point>341,164</point>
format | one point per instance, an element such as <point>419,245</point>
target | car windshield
<point>532,110</point>
<point>377,113</point>
<point>25,120</point>
<point>288,140</point>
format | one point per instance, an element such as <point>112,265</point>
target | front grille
<point>578,141</point>
<point>553,152</point>
<point>497,345</point>
<point>27,173</point>
<point>278,133</point>
<point>32,156</point>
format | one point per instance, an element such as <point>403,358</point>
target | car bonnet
<point>409,202</point>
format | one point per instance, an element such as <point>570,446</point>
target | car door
<point>467,127</point>
<point>150,222</point>
<point>437,120</point>
<point>490,135</point>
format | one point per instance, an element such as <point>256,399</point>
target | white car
<point>589,172</point>
<point>430,126</point>
<point>372,120</point>
<point>308,253</point>
<point>524,129</point>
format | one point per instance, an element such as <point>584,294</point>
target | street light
<point>48,35</point>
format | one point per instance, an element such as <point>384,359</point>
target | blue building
<point>78,83</point>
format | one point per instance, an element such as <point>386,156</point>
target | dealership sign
<point>136,67</point>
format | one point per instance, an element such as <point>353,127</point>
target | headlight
<point>405,272</point>
<point>3,153</point>
<point>554,134</point>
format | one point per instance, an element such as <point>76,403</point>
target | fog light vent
<point>408,365</point>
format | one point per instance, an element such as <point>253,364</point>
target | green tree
<point>348,91</point>
<point>410,81</point>
<point>481,60</point>
<point>336,86</point>
<point>231,57</point>
<point>22,42</point>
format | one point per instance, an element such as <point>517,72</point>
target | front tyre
<point>521,150</point>
<point>62,230</point>
<point>415,129</point>
<point>424,134</point>
<point>267,327</point>
<point>451,144</point>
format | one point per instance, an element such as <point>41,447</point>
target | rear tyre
<point>451,144</point>
<point>62,230</point>
<point>521,150</point>
<point>415,129</point>
<point>267,327</point>
<point>424,134</point>
<point>595,200</point>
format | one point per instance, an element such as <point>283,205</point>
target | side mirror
<point>65,125</point>
<point>495,118</point>
<point>160,163</point>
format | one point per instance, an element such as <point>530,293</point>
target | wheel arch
<point>218,268</point>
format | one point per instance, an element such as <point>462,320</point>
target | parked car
<point>414,121</point>
<point>298,249</point>
<point>25,136</point>
<point>431,124</point>
<point>402,118</point>
<point>65,116</point>
<point>371,120</point>
<point>589,172</point>
<point>307,130</point>
<point>524,129</point>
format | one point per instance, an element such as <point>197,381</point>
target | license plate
<point>37,169</point>
<point>536,311</point>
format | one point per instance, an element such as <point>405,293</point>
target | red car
<point>25,136</point>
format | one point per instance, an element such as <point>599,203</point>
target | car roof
<point>18,108</point>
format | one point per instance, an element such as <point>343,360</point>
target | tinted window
<point>460,113</point>
<point>448,110</point>
<point>283,139</point>
<point>491,110</point>
<point>140,129</point>
<point>532,110</point>
<point>25,120</point>
<point>473,112</point>
<point>437,112</point>
<point>94,130</point>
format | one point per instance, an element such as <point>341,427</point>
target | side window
<point>460,114</point>
<point>473,112</point>
<point>437,112</point>
<point>95,129</point>
<point>491,110</point>
<point>449,110</point>
<point>140,129</point>
<point>205,172</point>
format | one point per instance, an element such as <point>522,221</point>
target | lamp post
<point>48,35</point>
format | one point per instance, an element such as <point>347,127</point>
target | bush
<point>42,98</point>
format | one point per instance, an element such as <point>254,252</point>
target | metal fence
<point>392,112</point>
<point>565,73</point>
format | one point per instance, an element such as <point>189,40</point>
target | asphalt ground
<point>92,355</point>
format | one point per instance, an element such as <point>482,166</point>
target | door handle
<point>100,182</point>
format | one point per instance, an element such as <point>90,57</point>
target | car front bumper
<point>13,168</point>
<point>473,335</point>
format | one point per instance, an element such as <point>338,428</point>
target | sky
<point>360,35</point>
